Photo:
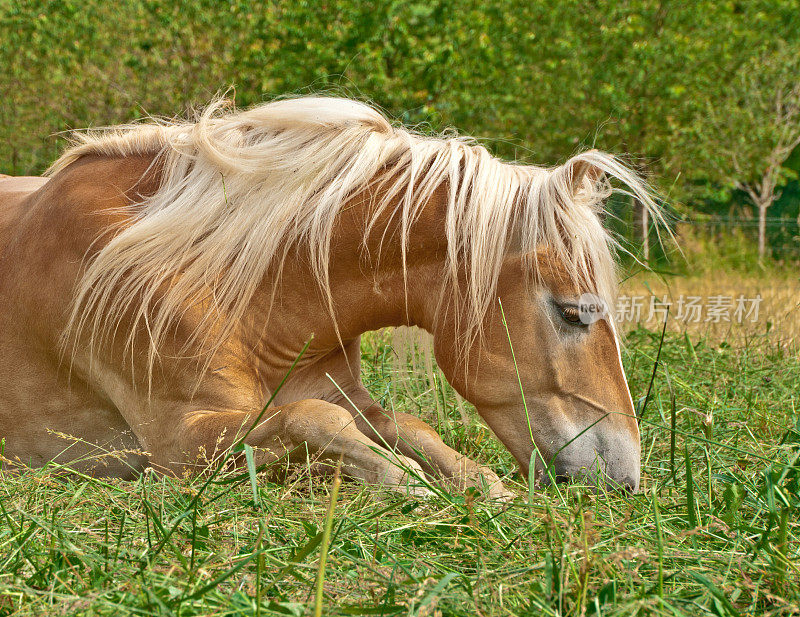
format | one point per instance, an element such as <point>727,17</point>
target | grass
<point>724,266</point>
<point>714,530</point>
<point>778,309</point>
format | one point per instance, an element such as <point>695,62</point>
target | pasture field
<point>714,531</point>
<point>703,94</point>
<point>777,297</point>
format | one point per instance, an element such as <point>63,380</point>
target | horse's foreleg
<point>419,441</point>
<point>309,429</point>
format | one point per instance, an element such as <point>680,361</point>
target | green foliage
<point>546,76</point>
<point>756,112</point>
<point>536,81</point>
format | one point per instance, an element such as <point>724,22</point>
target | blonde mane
<point>238,188</point>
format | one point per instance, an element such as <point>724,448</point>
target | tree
<point>758,127</point>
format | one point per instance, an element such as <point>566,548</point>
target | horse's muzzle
<point>599,460</point>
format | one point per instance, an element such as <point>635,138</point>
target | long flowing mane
<point>238,188</point>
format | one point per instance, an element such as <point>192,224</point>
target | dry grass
<point>778,311</point>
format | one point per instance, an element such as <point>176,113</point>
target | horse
<point>171,288</point>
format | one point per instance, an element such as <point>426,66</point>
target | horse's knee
<point>315,417</point>
<point>410,429</point>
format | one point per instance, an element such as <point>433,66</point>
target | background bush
<point>537,81</point>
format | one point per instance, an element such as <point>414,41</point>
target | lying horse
<point>157,287</point>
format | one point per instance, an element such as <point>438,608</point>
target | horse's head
<point>542,365</point>
<point>576,406</point>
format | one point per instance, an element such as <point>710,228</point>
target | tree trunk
<point>762,230</point>
<point>641,218</point>
<point>798,224</point>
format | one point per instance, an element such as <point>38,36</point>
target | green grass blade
<point>326,538</point>
<point>251,472</point>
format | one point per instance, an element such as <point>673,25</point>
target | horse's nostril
<point>595,477</point>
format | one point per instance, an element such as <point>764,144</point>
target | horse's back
<point>14,190</point>
<point>13,185</point>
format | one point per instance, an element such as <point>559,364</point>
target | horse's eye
<point>571,315</point>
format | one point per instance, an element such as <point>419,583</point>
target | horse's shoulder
<point>69,211</point>
<point>101,182</point>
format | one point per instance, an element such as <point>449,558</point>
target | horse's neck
<point>283,320</point>
<point>370,289</point>
<point>374,284</point>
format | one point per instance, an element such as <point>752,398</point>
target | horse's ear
<point>580,168</point>
<point>556,201</point>
<point>544,219</point>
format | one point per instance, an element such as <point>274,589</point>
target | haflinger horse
<point>158,285</point>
